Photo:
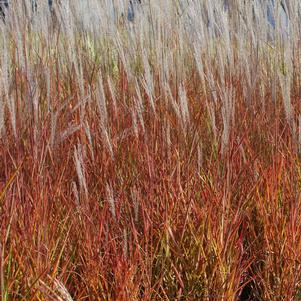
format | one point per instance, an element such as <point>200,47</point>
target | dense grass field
<point>157,159</point>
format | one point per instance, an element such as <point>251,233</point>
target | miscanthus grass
<point>155,157</point>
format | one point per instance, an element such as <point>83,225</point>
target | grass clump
<point>157,159</point>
